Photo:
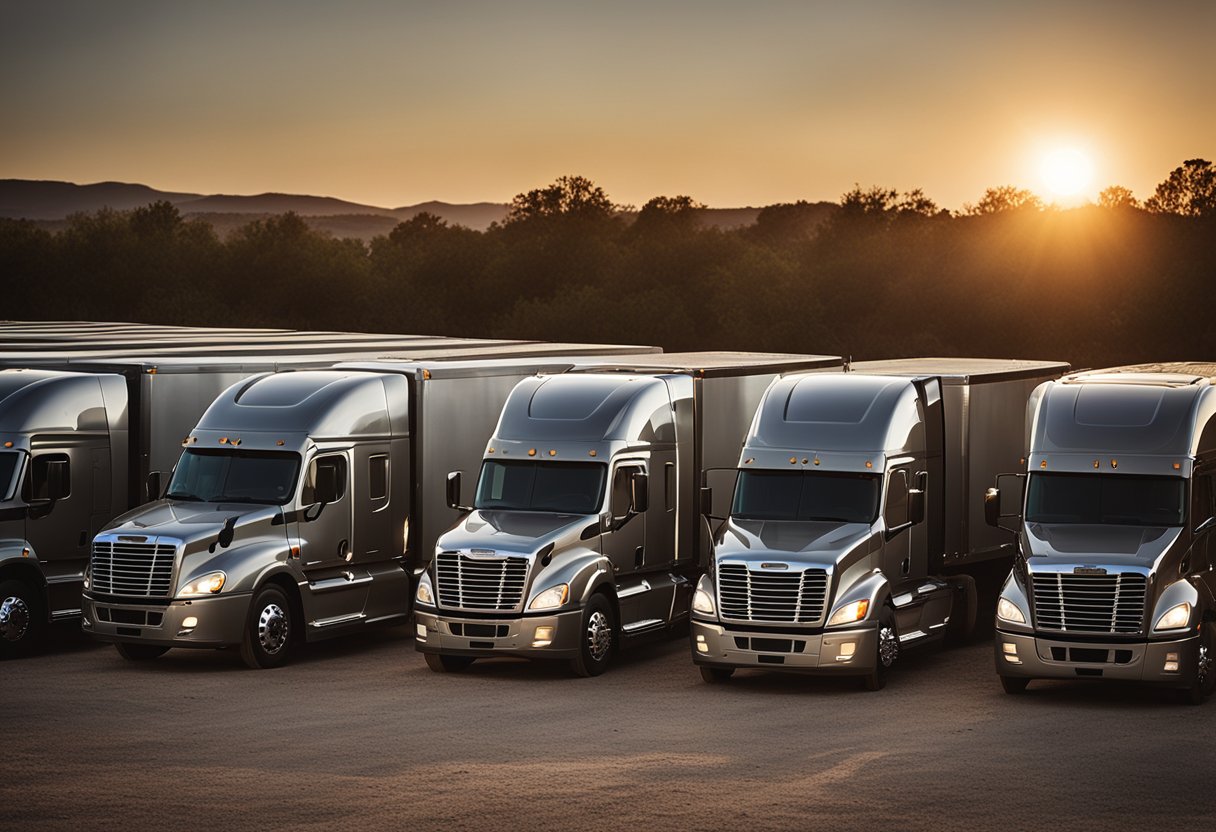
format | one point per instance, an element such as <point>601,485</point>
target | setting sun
<point>1066,172</point>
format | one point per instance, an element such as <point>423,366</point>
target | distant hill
<point>48,200</point>
<point>305,206</point>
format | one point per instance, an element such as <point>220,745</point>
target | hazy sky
<point>733,103</point>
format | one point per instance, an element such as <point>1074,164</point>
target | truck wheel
<point>21,618</point>
<point>267,640</point>
<point>597,638</point>
<point>886,653</point>
<point>1014,685</point>
<point>447,664</point>
<point>140,652</point>
<point>717,675</point>
<point>1205,668</point>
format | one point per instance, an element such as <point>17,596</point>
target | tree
<point>668,213</point>
<point>1117,196</point>
<point>1190,191</point>
<point>157,220</point>
<point>569,196</point>
<point>873,200</point>
<point>1004,198</point>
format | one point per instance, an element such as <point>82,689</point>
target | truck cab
<point>62,475</point>
<point>1114,576</point>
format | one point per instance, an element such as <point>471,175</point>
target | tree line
<point>882,274</point>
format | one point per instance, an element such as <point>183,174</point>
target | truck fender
<point>1183,592</point>
<point>873,587</point>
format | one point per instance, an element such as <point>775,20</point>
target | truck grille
<point>139,569</point>
<point>786,597</point>
<point>493,584</point>
<point>1090,603</point>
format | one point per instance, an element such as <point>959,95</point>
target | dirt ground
<point>359,734</point>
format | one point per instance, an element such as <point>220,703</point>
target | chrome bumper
<point>441,632</point>
<point>821,653</point>
<point>1056,658</point>
<point>221,621</point>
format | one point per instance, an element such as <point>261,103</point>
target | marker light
<point>531,451</point>
<point>850,613</point>
<point>420,631</point>
<point>543,637</point>
<point>1171,663</point>
<point>1006,610</point>
<point>551,598</point>
<point>189,623</point>
<point>1175,618</point>
<point>209,584</point>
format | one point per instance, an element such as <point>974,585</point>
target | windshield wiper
<point>252,500</point>
<point>181,495</point>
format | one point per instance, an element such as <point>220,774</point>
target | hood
<point>515,532</point>
<point>191,522</point>
<point>1097,545</point>
<point>804,542</point>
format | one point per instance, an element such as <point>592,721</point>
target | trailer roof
<point>964,370</point>
<point>1170,374</point>
<point>720,364</point>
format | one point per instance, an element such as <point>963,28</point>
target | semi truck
<point>584,532</point>
<point>301,508</point>
<point>1114,576</point>
<point>857,527</point>
<point>103,422</point>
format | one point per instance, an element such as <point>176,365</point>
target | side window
<point>1201,499</point>
<point>50,477</point>
<point>896,513</point>
<point>377,473</point>
<point>669,486</point>
<point>620,489</point>
<point>337,463</point>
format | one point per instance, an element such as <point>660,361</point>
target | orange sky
<point>733,103</point>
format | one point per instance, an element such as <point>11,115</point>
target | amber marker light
<point>793,460</point>
<point>1177,466</point>
<point>1097,464</point>
<point>1114,463</point>
<point>426,375</point>
<point>869,464</point>
<point>8,444</point>
<point>531,451</point>
<point>280,442</point>
<point>816,460</point>
<point>591,452</point>
<point>1043,464</point>
<point>552,452</point>
<point>223,440</point>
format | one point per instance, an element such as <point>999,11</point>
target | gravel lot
<point>359,734</point>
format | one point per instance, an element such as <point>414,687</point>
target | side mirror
<point>916,506</point>
<point>325,485</point>
<point>707,501</point>
<point>453,492</point>
<point>994,499</point>
<point>639,492</point>
<point>992,507</point>
<point>155,485</point>
<point>50,479</point>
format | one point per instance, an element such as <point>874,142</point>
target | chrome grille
<point>779,597</point>
<point>491,584</point>
<point>138,569</point>
<point>1090,603</point>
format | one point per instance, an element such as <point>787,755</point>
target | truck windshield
<point>1116,499</point>
<point>559,487</point>
<point>216,476</point>
<point>806,495</point>
<point>9,462</point>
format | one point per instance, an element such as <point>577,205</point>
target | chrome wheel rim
<point>888,645</point>
<point>14,618</point>
<point>272,628</point>
<point>599,636</point>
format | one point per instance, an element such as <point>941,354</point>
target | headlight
<point>209,584</point>
<point>1008,611</point>
<point>702,601</point>
<point>424,595</point>
<point>550,598</point>
<point>1175,618</point>
<point>849,613</point>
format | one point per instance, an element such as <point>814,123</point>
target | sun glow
<point>1066,172</point>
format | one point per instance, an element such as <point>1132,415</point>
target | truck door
<point>370,492</point>
<point>624,544</point>
<point>57,488</point>
<point>336,592</point>
<point>1203,506</point>
<point>896,550</point>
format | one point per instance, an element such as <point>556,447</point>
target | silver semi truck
<point>103,421</point>
<point>1116,570</point>
<point>301,507</point>
<point>585,531</point>
<point>858,516</point>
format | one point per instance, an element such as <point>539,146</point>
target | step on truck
<point>857,525</point>
<point>1114,577</point>
<point>585,531</point>
<point>299,508</point>
<point>104,423</point>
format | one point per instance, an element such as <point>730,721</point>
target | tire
<point>597,638</point>
<point>1204,683</point>
<point>1014,685</point>
<point>717,675</point>
<point>22,620</point>
<point>447,664</point>
<point>886,651</point>
<point>267,641</point>
<point>140,652</point>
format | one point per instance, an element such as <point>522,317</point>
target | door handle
<point>344,551</point>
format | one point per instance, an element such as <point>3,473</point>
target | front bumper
<point>794,652</point>
<point>221,621</point>
<point>451,635</point>
<point>1058,658</point>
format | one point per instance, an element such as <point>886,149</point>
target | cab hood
<point>192,522</point>
<point>1053,544</point>
<point>803,542</point>
<point>515,532</point>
